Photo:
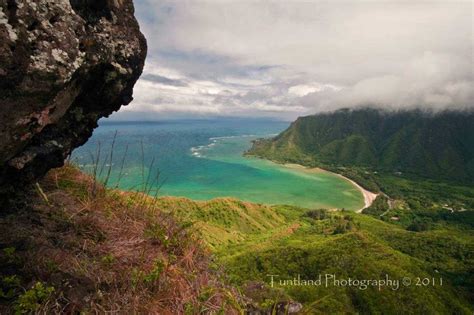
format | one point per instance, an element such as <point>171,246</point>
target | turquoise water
<point>203,159</point>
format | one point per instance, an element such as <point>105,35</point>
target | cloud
<point>432,81</point>
<point>305,89</point>
<point>163,80</point>
<point>285,59</point>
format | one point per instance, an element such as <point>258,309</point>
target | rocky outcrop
<point>64,64</point>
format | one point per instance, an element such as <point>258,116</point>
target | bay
<point>203,159</point>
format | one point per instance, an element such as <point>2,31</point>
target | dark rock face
<point>63,65</point>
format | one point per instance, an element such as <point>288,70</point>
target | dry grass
<point>107,251</point>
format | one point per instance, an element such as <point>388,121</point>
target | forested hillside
<point>437,146</point>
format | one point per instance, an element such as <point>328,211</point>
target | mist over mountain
<point>286,59</point>
<point>429,144</point>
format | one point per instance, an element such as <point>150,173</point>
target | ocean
<point>203,159</point>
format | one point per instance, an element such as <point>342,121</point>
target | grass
<point>223,221</point>
<point>95,250</point>
<point>368,251</point>
<point>78,246</point>
<point>290,241</point>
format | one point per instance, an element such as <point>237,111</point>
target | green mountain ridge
<point>418,228</point>
<point>431,145</point>
<point>253,241</point>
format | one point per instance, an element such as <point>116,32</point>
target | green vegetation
<point>439,146</point>
<point>420,225</point>
<point>223,221</point>
<point>32,299</point>
<point>76,247</point>
<point>317,214</point>
<point>290,241</point>
<point>379,207</point>
<point>404,155</point>
<point>130,248</point>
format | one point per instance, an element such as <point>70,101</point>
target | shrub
<point>155,273</point>
<point>344,224</point>
<point>9,287</point>
<point>317,214</point>
<point>419,226</point>
<point>32,299</point>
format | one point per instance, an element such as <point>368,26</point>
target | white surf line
<point>197,150</point>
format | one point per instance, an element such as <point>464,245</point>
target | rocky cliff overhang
<point>64,64</point>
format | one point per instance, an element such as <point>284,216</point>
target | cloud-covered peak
<point>287,59</point>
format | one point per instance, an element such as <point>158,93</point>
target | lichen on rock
<point>64,64</point>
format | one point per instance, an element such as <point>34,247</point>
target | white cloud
<point>294,58</point>
<point>305,89</point>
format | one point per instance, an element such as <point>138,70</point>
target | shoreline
<point>369,196</point>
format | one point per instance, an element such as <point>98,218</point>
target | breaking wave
<point>198,151</point>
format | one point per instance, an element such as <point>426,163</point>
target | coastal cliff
<point>63,65</point>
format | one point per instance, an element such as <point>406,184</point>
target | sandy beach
<point>369,196</point>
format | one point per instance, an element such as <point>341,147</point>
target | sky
<point>285,59</point>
